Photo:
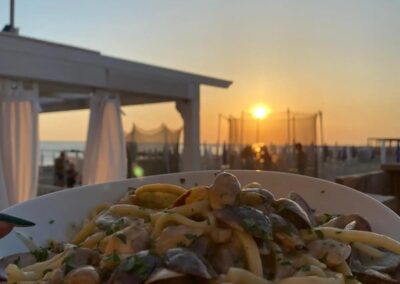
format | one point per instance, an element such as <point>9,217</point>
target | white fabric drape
<point>105,153</point>
<point>19,142</point>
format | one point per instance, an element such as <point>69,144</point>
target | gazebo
<point>67,78</point>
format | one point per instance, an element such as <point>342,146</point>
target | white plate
<point>72,206</point>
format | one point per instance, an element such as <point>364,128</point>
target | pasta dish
<point>224,233</point>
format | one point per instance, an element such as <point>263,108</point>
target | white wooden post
<point>190,112</point>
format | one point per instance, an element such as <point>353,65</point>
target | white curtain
<point>19,142</point>
<point>105,153</point>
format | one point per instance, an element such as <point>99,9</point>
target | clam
<point>109,222</point>
<point>280,266</point>
<point>164,275</point>
<point>291,211</point>
<point>80,257</point>
<point>329,251</point>
<point>187,262</point>
<point>371,276</point>
<point>349,222</point>
<point>286,233</point>
<point>246,219</point>
<point>258,198</point>
<point>370,269</point>
<point>173,236</point>
<point>135,269</point>
<point>131,239</point>
<point>202,245</point>
<point>82,275</point>
<point>224,191</point>
<point>227,255</point>
<point>304,205</point>
<point>20,259</point>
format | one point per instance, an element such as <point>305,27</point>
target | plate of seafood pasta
<point>204,227</point>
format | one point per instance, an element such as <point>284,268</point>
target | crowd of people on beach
<point>261,157</point>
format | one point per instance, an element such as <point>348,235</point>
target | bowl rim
<point>68,191</point>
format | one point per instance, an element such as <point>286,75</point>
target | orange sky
<point>340,57</point>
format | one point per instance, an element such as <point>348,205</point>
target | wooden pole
<point>288,126</point>
<point>219,133</point>
<point>321,125</point>
<point>257,130</point>
<point>12,11</point>
<point>241,129</point>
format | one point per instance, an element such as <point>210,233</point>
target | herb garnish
<point>41,254</point>
<point>181,244</point>
<point>256,229</point>
<point>190,236</point>
<point>114,257</point>
<point>305,268</point>
<point>319,234</point>
<point>116,226</point>
<point>136,264</point>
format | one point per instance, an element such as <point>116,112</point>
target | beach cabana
<point>67,78</point>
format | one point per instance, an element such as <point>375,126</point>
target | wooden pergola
<point>67,75</point>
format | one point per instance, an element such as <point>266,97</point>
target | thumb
<point>5,228</point>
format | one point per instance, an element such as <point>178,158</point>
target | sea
<point>49,150</point>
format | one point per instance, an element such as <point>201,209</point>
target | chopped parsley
<point>181,244</point>
<point>305,268</point>
<point>40,254</point>
<point>131,190</point>
<point>190,236</point>
<point>114,257</point>
<point>136,264</point>
<point>285,262</point>
<point>319,234</point>
<point>68,263</point>
<point>51,222</point>
<point>116,226</point>
<point>256,228</point>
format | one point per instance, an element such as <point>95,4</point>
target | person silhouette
<point>301,159</point>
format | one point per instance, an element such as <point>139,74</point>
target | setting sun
<point>260,111</point>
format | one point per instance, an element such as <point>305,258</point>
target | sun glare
<point>260,112</point>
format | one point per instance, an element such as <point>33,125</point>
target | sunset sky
<point>341,57</point>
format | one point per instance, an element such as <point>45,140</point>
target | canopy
<point>19,142</point>
<point>105,154</point>
<point>67,75</point>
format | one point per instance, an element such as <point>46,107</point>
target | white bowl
<point>53,213</point>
